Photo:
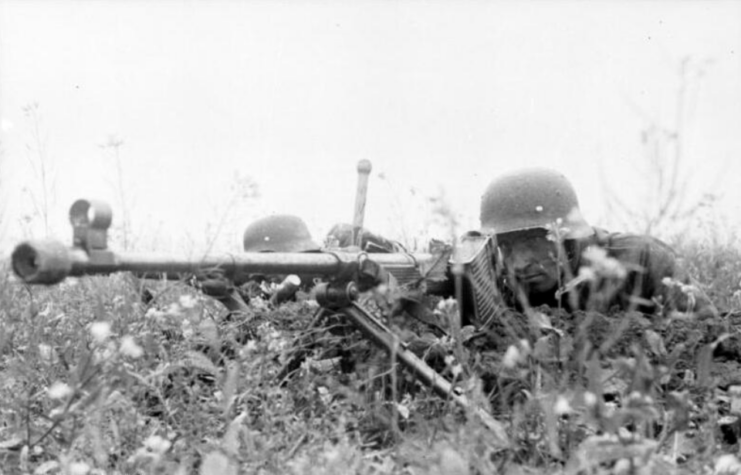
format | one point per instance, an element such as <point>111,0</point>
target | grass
<point>94,380</point>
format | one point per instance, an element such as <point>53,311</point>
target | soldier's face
<point>530,260</point>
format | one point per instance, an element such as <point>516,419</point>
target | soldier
<point>549,255</point>
<point>552,256</point>
<point>276,233</point>
<point>279,233</point>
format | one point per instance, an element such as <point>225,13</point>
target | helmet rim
<point>532,198</point>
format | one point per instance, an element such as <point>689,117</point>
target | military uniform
<point>598,270</point>
<point>579,266</point>
<point>653,280</point>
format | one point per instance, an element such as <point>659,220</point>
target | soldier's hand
<point>213,285</point>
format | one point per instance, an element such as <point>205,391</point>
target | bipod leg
<point>300,351</point>
<point>234,303</point>
<point>381,335</point>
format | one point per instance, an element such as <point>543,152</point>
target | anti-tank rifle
<point>343,275</point>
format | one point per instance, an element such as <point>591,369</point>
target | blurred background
<point>194,118</point>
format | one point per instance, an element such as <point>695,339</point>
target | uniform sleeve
<point>670,283</point>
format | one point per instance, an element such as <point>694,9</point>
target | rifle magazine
<point>481,299</point>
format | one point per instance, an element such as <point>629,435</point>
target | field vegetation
<point>120,375</point>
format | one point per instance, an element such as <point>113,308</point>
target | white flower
<point>157,444</point>
<point>59,390</point>
<point>324,395</point>
<point>46,353</point>
<point>457,370</point>
<point>100,331</point>
<point>188,301</point>
<point>173,309</point>
<point>727,463</point>
<point>154,313</point>
<point>511,357</point>
<point>668,281</point>
<point>590,399</point>
<point>603,264</point>
<point>562,406</point>
<point>448,306</point>
<point>187,329</point>
<point>402,410</point>
<point>130,348</point>
<point>587,273</point>
<point>525,346</point>
<point>78,468</point>
<point>250,347</point>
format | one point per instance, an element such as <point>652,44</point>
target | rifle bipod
<point>342,299</point>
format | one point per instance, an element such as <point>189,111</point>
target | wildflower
<point>587,273</point>
<point>603,264</point>
<point>78,468</point>
<point>562,406</point>
<point>457,370</point>
<point>623,465</point>
<point>187,329</point>
<point>173,309</point>
<point>259,303</point>
<point>46,353</point>
<point>727,463</point>
<point>556,230</point>
<point>525,346</point>
<point>324,395</point>
<point>451,461</point>
<point>275,341</point>
<point>130,348</point>
<point>590,399</point>
<point>59,390</point>
<point>403,411</point>
<point>448,306</point>
<point>100,331</point>
<point>250,347</point>
<point>187,301</point>
<point>157,444</point>
<point>154,313</point>
<point>511,357</point>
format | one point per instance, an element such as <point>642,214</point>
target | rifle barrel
<point>50,262</point>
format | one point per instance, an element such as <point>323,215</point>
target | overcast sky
<point>438,95</point>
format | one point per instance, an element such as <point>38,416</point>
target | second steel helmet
<point>532,198</point>
<point>279,233</point>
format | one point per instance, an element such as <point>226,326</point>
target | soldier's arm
<point>674,286</point>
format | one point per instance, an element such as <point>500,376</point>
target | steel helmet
<point>279,233</point>
<point>532,198</point>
